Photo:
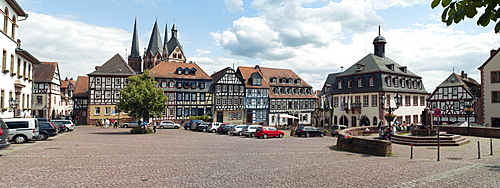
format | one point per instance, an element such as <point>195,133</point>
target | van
<point>22,130</point>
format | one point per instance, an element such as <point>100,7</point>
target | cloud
<point>77,47</point>
<point>234,5</point>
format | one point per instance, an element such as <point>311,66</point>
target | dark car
<point>60,126</point>
<point>45,130</point>
<point>4,135</point>
<point>203,127</point>
<point>224,128</point>
<point>309,131</point>
<point>191,125</point>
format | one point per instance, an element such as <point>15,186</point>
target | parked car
<point>46,130</point>
<point>131,124</point>
<point>191,124</point>
<point>250,130</point>
<point>22,130</point>
<point>4,135</point>
<point>60,126</point>
<point>236,130</point>
<point>203,127</point>
<point>336,128</point>
<point>224,128</point>
<point>213,127</point>
<point>43,119</point>
<point>268,131</point>
<point>70,126</point>
<point>309,131</point>
<point>169,124</point>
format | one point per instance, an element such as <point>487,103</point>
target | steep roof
<point>81,86</point>
<point>248,72</point>
<point>372,63</point>
<point>44,72</point>
<point>135,42</point>
<point>168,70</point>
<point>116,66</point>
<point>173,42</point>
<point>218,75</point>
<point>154,45</point>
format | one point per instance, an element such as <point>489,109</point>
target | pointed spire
<point>135,42</point>
<point>379,44</point>
<point>174,31</point>
<point>166,36</point>
<point>154,45</point>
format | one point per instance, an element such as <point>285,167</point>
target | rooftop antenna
<point>453,69</point>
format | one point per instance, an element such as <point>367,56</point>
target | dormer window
<point>186,70</point>
<point>179,70</point>
<point>297,81</point>
<point>283,81</point>
<point>202,85</point>
<point>349,83</point>
<point>339,84</point>
<point>288,91</point>
<point>390,66</point>
<point>193,71</point>
<point>274,80</point>
<point>256,81</point>
<point>371,81</point>
<point>289,81</point>
<point>404,69</point>
<point>360,82</point>
<point>276,91</point>
<point>359,67</point>
<point>179,84</point>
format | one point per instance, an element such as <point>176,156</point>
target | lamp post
<point>390,109</point>
<point>13,104</point>
<point>468,109</point>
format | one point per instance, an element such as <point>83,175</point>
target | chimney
<point>462,74</point>
<point>465,76</point>
<point>257,67</point>
<point>19,43</point>
<point>492,52</point>
<point>97,67</point>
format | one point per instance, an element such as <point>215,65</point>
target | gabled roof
<point>372,63</point>
<point>65,83</point>
<point>116,66</point>
<point>493,54</point>
<point>44,72</point>
<point>173,42</point>
<point>249,72</point>
<point>330,81</point>
<point>218,75</point>
<point>269,73</point>
<point>81,86</point>
<point>168,70</point>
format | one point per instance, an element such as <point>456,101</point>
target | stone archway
<point>364,121</point>
<point>343,121</point>
<point>375,121</point>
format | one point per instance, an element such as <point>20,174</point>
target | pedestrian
<point>154,126</point>
<point>380,129</point>
<point>115,125</point>
<point>106,123</point>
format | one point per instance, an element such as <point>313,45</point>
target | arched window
<point>388,81</point>
<point>360,82</point>
<point>349,83</point>
<point>186,70</point>
<point>5,20</point>
<point>179,70</point>
<point>193,71</point>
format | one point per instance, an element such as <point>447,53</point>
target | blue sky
<point>311,37</point>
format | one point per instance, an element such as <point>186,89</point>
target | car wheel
<point>239,133</point>
<point>204,130</point>
<point>125,126</point>
<point>307,135</point>
<point>265,136</point>
<point>41,136</point>
<point>162,127</point>
<point>281,136</point>
<point>213,130</point>
<point>176,127</point>
<point>321,135</point>
<point>67,130</point>
<point>20,139</point>
<point>252,135</point>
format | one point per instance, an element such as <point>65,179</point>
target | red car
<point>268,131</point>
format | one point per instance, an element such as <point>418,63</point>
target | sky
<point>311,37</point>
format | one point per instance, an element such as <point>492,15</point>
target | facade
<point>356,93</point>
<point>229,96</point>
<point>256,95</point>
<point>324,112</point>
<point>105,84</point>
<point>453,96</point>
<point>490,90</point>
<point>47,98</point>
<point>16,79</point>
<point>291,99</point>
<point>187,87</point>
<point>67,91</point>
<point>81,100</point>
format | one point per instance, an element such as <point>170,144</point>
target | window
<point>371,82</point>
<point>224,101</point>
<point>202,96</point>
<point>98,80</point>
<point>445,91</point>
<point>349,83</point>
<point>230,88</point>
<point>374,100</point>
<point>224,88</point>
<point>107,94</point>
<point>388,81</point>
<point>38,99</point>
<point>179,96</point>
<point>179,112</point>
<point>229,101</point>
<point>339,84</point>
<point>117,94</point>
<point>495,77</point>
<point>360,82</point>
<point>171,84</point>
<point>117,81</point>
<point>97,111</point>
<point>456,105</point>
<point>186,96</point>
<point>218,88</point>
<point>4,60</point>
<point>366,101</point>
<point>217,101</point>
<point>495,96</point>
<point>455,91</point>
<point>402,83</point>
<point>108,81</point>
<point>335,102</point>
<point>97,94</point>
<point>407,100</point>
<point>395,82</point>
<point>236,89</point>
<point>415,100</point>
<point>242,89</point>
<point>422,101</point>
<point>107,110</point>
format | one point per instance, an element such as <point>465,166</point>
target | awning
<point>288,116</point>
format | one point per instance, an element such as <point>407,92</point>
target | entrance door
<point>220,116</point>
<point>249,118</point>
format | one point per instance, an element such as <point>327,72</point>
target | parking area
<point>96,157</point>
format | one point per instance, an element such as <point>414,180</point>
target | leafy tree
<point>141,98</point>
<point>457,10</point>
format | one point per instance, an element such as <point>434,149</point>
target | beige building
<point>490,88</point>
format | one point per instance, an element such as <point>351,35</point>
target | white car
<point>236,130</point>
<point>69,124</point>
<point>169,124</point>
<point>250,130</point>
<point>212,128</point>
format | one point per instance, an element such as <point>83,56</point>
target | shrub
<point>138,130</point>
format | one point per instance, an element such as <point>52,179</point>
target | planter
<point>348,141</point>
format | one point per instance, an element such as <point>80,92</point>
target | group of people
<point>389,131</point>
<point>109,122</point>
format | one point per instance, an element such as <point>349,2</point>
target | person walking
<point>154,126</point>
<point>115,125</point>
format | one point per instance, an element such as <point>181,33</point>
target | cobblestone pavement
<point>95,157</point>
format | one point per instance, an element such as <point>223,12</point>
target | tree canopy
<point>140,98</point>
<point>456,11</point>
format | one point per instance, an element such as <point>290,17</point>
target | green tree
<point>457,10</point>
<point>140,98</point>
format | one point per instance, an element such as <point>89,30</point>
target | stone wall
<point>363,145</point>
<point>474,131</point>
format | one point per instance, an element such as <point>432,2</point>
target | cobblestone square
<point>95,157</point>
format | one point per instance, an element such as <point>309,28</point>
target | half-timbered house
<point>67,91</point>
<point>257,95</point>
<point>105,85</point>
<point>490,90</point>
<point>187,88</point>
<point>81,100</point>
<point>47,90</point>
<point>229,96</point>
<point>453,97</point>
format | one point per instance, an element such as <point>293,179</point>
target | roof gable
<point>169,70</point>
<point>114,66</point>
<point>372,63</point>
<point>44,72</point>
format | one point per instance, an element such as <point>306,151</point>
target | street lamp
<point>468,109</point>
<point>390,109</point>
<point>13,104</point>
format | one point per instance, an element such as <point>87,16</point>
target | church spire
<point>135,42</point>
<point>174,31</point>
<point>154,46</point>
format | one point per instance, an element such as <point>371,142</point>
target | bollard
<point>411,153</point>
<point>478,150</point>
<point>491,146</point>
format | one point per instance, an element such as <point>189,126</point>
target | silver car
<point>236,130</point>
<point>250,130</point>
<point>169,124</point>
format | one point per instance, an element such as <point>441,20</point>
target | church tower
<point>134,59</point>
<point>174,49</point>
<point>379,44</point>
<point>153,54</point>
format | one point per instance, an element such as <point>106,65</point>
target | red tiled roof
<point>168,70</point>
<point>81,86</point>
<point>246,72</point>
<point>44,72</point>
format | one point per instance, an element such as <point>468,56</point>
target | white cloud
<point>234,5</point>
<point>77,47</point>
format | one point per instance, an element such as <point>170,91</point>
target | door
<point>220,116</point>
<point>249,118</point>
